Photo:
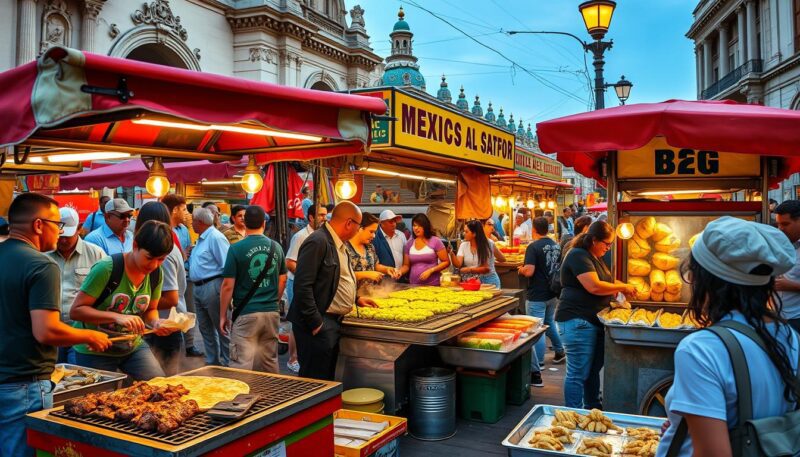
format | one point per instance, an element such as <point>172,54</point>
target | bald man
<point>324,291</point>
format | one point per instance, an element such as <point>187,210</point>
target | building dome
<point>444,92</point>
<point>520,131</point>
<point>462,102</point>
<point>489,116</point>
<point>529,134</point>
<point>512,127</point>
<point>501,120</point>
<point>476,107</point>
<point>401,23</point>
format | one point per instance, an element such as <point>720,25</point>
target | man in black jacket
<point>324,291</point>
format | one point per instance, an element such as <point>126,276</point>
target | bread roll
<point>656,296</point>
<point>662,231</point>
<point>638,267</point>
<point>638,248</point>
<point>658,281</point>
<point>672,298</point>
<point>646,227</point>
<point>664,261</point>
<point>693,239</point>
<point>674,282</point>
<point>641,286</point>
<point>668,244</point>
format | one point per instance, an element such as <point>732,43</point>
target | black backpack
<point>117,269</point>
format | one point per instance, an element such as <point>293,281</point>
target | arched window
<point>321,85</point>
<point>405,44</point>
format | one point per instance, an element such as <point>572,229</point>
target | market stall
<point>535,183</point>
<point>659,163</point>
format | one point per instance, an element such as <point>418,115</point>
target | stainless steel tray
<point>109,381</point>
<point>632,335</point>
<point>541,416</point>
<point>483,359</point>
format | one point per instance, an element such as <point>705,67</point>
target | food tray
<point>541,416</point>
<point>483,359</point>
<point>398,426</point>
<point>109,381</point>
<point>646,336</point>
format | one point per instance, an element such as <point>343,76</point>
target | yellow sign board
<point>659,160</point>
<point>536,164</point>
<point>426,127</point>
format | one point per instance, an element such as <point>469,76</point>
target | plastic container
<point>518,381</point>
<point>521,325</point>
<point>510,331</point>
<point>485,340</point>
<point>482,395</point>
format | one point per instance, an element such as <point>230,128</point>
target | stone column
<point>698,54</point>
<point>91,9</point>
<point>26,45</point>
<point>298,61</point>
<point>740,16</point>
<point>774,30</point>
<point>708,71</point>
<point>723,50</point>
<point>752,37</point>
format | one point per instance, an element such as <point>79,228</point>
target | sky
<point>650,49</point>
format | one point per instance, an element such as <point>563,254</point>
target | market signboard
<point>659,160</point>
<point>380,128</point>
<point>538,165</point>
<point>426,127</point>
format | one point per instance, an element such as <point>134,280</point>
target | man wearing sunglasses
<point>114,237</point>
<point>30,317</point>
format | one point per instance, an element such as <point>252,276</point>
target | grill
<point>432,323</point>
<point>274,391</point>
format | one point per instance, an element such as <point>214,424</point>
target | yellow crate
<point>397,427</point>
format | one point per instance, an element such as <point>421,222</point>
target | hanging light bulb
<point>551,204</point>
<point>625,230</point>
<point>512,202</point>
<point>542,204</point>
<point>252,181</point>
<point>345,187</point>
<point>500,202</point>
<point>157,183</point>
<point>530,203</point>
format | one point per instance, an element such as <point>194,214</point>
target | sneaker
<point>541,366</point>
<point>192,352</point>
<point>560,357</point>
<point>536,379</point>
<point>294,367</point>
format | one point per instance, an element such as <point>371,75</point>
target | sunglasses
<point>122,216</point>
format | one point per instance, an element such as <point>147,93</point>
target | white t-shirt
<point>523,231</point>
<point>704,384</point>
<point>174,279</point>
<point>791,300</point>
<point>472,259</point>
<point>294,246</point>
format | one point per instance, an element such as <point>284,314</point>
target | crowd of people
<point>67,295</point>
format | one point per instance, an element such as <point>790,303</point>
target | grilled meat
<point>149,408</point>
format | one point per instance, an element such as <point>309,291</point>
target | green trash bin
<point>482,395</point>
<point>518,384</point>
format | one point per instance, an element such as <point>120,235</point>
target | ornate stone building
<point>749,51</point>
<point>304,43</point>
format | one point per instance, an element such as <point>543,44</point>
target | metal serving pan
<point>632,335</point>
<point>109,381</point>
<point>541,416</point>
<point>483,359</point>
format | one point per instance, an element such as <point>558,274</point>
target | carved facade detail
<point>113,31</point>
<point>92,8</point>
<point>159,14</point>
<point>262,54</point>
<point>56,25</point>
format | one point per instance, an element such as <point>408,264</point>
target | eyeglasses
<point>59,224</point>
<point>354,221</point>
<point>608,244</point>
<point>121,216</point>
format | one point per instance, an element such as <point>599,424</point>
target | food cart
<point>670,168</point>
<point>534,183</point>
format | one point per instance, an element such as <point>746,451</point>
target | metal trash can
<point>433,404</point>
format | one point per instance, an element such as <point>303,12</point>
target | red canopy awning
<point>528,178</point>
<point>581,140</point>
<point>133,173</point>
<point>79,100</point>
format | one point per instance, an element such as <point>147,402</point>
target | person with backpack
<point>736,385</point>
<point>542,262</point>
<point>120,297</point>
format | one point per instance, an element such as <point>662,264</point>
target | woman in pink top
<point>425,256</point>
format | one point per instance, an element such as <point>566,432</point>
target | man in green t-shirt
<point>254,333</point>
<point>127,310</point>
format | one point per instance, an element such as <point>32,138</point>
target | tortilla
<point>205,390</point>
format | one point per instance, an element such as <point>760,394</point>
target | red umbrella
<point>600,207</point>
<point>581,140</point>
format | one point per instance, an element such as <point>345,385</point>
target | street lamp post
<point>597,17</point>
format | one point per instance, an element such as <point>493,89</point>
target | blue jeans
<point>19,399</point>
<point>289,293</point>
<point>66,355</point>
<point>545,310</point>
<point>206,302</point>
<point>140,365</point>
<point>584,343</point>
<point>491,278</point>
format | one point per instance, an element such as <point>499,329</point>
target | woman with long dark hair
<point>424,256</point>
<point>732,270</point>
<point>476,255</point>
<point>587,288</point>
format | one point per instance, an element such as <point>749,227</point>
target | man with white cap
<point>787,218</point>
<point>75,258</point>
<point>389,242</point>
<point>114,237</point>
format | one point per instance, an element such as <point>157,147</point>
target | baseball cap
<point>71,221</point>
<point>387,215</point>
<point>118,205</point>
